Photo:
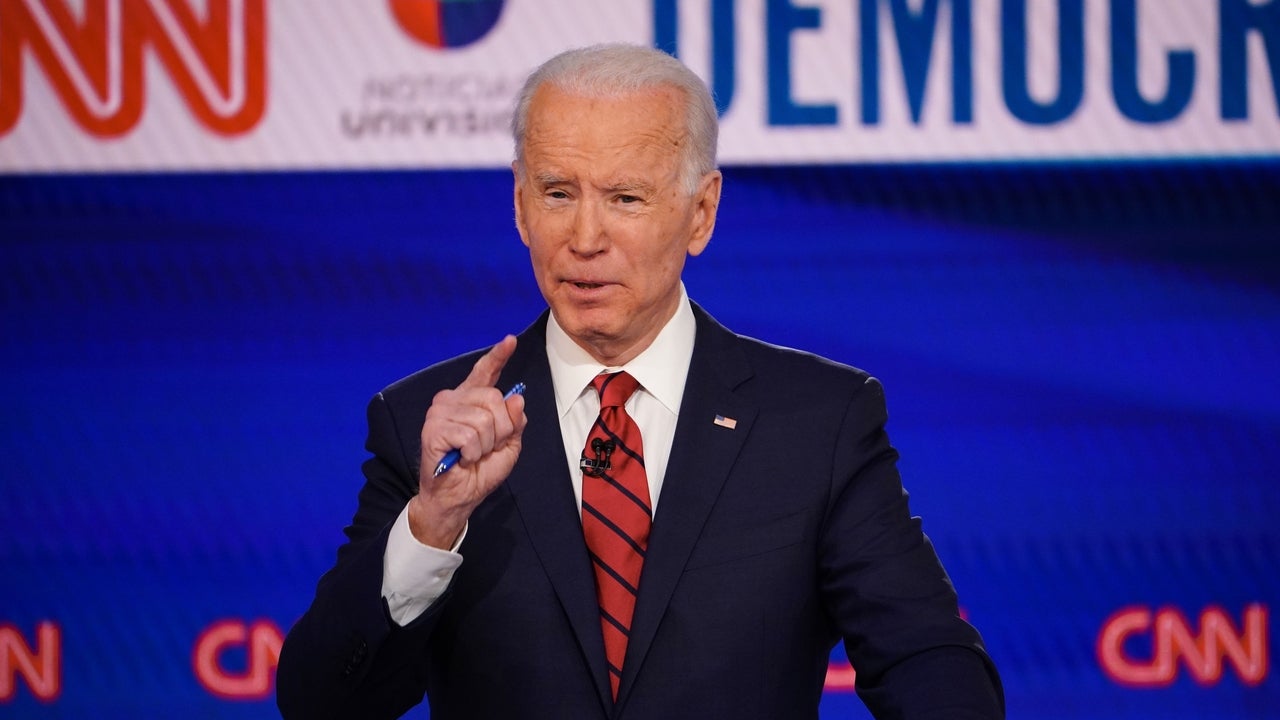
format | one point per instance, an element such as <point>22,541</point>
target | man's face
<point>601,206</point>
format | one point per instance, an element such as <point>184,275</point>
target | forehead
<point>641,127</point>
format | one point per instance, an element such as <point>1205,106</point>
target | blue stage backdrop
<point>1081,364</point>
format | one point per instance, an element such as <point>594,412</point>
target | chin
<point>594,331</point>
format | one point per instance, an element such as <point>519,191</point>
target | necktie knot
<point>614,388</point>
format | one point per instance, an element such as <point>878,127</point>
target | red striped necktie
<point>616,514</point>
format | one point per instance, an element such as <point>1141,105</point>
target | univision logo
<point>447,23</point>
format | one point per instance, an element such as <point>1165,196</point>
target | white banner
<point>111,85</point>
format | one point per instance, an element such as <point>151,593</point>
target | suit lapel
<point>543,495</point>
<point>701,457</point>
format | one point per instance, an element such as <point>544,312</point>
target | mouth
<point>586,284</point>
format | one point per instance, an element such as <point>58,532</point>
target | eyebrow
<point>548,178</point>
<point>630,185</point>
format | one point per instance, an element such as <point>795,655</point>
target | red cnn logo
<point>260,642</point>
<point>95,62</point>
<point>40,668</point>
<point>1173,639</point>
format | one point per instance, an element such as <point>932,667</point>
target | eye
<point>628,199</point>
<point>557,194</point>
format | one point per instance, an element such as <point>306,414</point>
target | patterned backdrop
<point>1078,330</point>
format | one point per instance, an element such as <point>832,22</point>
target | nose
<point>589,236</point>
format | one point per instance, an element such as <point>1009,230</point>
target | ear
<point>706,202</point>
<point>518,195</point>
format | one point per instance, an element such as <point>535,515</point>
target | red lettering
<point>1173,639</point>
<point>41,668</point>
<point>840,677</point>
<point>95,64</point>
<point>262,641</point>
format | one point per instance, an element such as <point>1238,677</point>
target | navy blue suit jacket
<point>773,540</point>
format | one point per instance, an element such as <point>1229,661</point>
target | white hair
<point>611,70</point>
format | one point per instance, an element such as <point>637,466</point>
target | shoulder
<point>803,384</point>
<point>769,369</point>
<point>428,381</point>
<point>400,408</point>
<point>410,396</point>
<point>799,366</point>
<point>422,385</point>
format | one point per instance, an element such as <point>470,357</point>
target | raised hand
<point>486,429</point>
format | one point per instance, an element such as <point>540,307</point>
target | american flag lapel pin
<point>725,422</point>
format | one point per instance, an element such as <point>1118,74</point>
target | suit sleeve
<point>345,657</point>
<point>888,593</point>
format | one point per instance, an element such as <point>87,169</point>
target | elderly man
<point>672,521</point>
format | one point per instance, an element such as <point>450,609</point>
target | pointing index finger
<point>487,369</point>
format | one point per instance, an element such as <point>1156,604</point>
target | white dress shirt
<point>414,575</point>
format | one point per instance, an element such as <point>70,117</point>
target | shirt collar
<point>661,369</point>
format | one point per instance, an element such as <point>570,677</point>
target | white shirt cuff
<point>415,575</point>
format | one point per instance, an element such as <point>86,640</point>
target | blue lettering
<point>869,59</point>
<point>1238,17</point>
<point>781,19</point>
<point>914,33</point>
<point>723,40</point>
<point>1013,48</point>
<point>1124,71</point>
<point>961,62</point>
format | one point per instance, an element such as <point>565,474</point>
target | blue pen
<point>451,458</point>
